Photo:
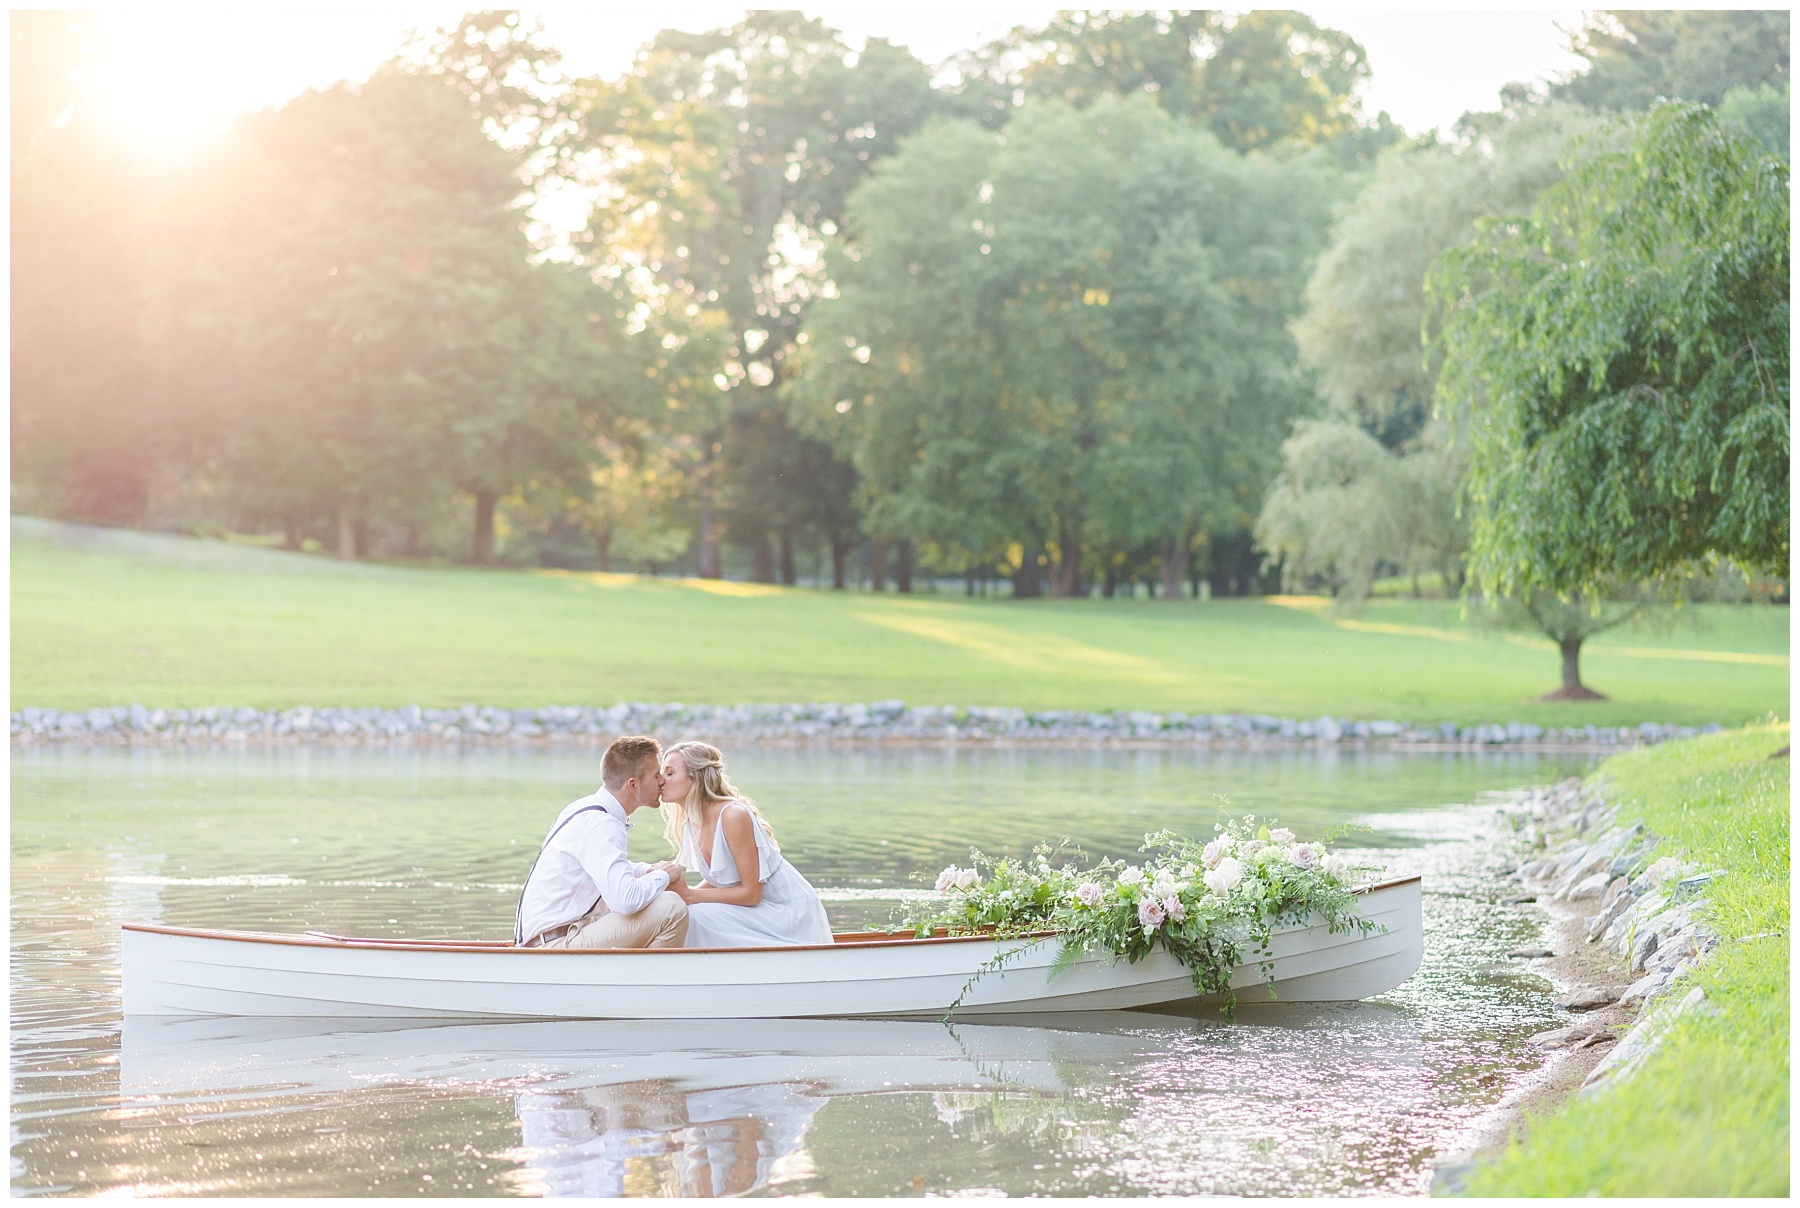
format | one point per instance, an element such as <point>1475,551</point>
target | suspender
<point>519,936</point>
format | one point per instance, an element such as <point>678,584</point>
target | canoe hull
<point>173,971</point>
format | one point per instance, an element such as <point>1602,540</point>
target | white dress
<point>790,911</point>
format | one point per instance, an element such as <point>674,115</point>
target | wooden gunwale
<point>857,939</point>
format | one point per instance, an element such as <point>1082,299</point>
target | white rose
<point>1165,884</point>
<point>1133,875</point>
<point>1217,850</point>
<point>967,878</point>
<point>947,879</point>
<point>1336,866</point>
<point>1225,876</point>
<point>1282,835</point>
<point>1303,855</point>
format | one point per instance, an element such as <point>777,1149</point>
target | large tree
<point>723,160</point>
<point>350,319</point>
<point>1256,80</point>
<point>1066,340</point>
<point>1621,357</point>
<point>1638,56</point>
<point>1375,480</point>
<point>85,431</point>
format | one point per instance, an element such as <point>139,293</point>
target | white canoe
<point>188,971</point>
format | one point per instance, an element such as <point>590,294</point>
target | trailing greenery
<point>1707,1113</point>
<point>1209,905</point>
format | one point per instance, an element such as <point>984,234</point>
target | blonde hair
<point>705,766</point>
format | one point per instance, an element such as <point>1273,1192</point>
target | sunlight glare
<point>170,78</point>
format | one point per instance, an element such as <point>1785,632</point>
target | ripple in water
<point>1343,1099</point>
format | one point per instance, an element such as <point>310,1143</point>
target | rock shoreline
<point>1646,913</point>
<point>882,721</point>
<point>1626,929</point>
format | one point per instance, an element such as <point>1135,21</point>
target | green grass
<point>1707,1114</point>
<point>187,623</point>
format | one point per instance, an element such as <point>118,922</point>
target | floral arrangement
<point>1208,904</point>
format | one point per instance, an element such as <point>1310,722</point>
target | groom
<point>584,891</point>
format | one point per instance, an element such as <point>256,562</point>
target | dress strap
<point>768,855</point>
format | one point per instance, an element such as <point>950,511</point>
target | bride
<point>750,896</point>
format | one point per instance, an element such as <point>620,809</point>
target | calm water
<point>1324,1100</point>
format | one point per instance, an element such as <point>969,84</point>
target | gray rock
<point>1591,999</point>
<point>1561,1037</point>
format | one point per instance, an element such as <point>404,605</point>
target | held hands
<point>677,877</point>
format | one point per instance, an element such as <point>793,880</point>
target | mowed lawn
<point>94,627</point>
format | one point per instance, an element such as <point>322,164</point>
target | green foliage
<point>1620,360</point>
<point>348,308</point>
<point>1343,506</point>
<point>1639,56</point>
<point>1211,906</point>
<point>1375,483</point>
<point>1707,1114</point>
<point>1070,336</point>
<point>1257,80</point>
<point>726,157</point>
<point>1762,113</point>
<point>1365,301</point>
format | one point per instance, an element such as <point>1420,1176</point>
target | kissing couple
<point>584,891</point>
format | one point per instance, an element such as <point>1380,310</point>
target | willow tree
<point>1620,361</point>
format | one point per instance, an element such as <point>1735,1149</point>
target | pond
<point>1327,1100</point>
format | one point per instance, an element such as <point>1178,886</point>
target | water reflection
<point>708,1108</point>
<point>1346,1099</point>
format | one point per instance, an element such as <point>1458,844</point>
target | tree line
<point>1124,298</point>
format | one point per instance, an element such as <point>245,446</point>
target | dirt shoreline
<point>1577,965</point>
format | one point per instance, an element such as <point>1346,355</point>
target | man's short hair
<point>626,758</point>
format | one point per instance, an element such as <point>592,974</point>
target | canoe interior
<point>839,939</point>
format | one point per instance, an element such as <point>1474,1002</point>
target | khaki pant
<point>661,924</point>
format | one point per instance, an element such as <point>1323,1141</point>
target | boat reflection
<point>721,1142</point>
<point>709,1108</point>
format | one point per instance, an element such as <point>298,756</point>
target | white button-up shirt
<point>584,865</point>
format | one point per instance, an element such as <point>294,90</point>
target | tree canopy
<point>1620,361</point>
<point>1070,337</point>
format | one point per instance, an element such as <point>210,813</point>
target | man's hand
<point>676,875</point>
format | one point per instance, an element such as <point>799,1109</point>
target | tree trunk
<point>787,558</point>
<point>903,554</point>
<point>1109,584</point>
<point>762,560</point>
<point>1065,577</point>
<point>1027,584</point>
<point>840,559</point>
<point>1572,687</point>
<point>707,555</point>
<point>878,565</point>
<point>1174,566</point>
<point>346,521</point>
<point>603,550</point>
<point>969,581</point>
<point>484,527</point>
<point>293,532</point>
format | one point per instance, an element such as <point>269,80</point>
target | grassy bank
<point>1707,1114</point>
<point>184,624</point>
